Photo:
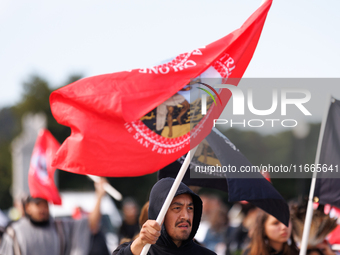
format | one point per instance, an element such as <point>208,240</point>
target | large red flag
<point>41,173</point>
<point>125,124</point>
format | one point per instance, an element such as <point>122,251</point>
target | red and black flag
<point>41,173</point>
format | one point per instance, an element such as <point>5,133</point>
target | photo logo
<point>204,97</point>
<point>279,101</point>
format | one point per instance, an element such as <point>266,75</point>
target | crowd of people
<point>193,224</point>
<point>36,232</point>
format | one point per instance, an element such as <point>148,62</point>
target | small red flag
<point>125,123</point>
<point>41,173</point>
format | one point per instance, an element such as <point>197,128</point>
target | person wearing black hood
<point>179,227</point>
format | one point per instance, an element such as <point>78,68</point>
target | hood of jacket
<point>158,195</point>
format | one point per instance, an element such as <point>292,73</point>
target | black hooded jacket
<point>164,244</point>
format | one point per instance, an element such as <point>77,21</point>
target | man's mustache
<point>183,221</point>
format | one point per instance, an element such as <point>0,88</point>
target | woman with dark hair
<point>270,236</point>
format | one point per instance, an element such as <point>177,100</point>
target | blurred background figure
<point>215,238</point>
<point>143,217</point>
<point>98,244</point>
<point>210,203</point>
<point>130,226</point>
<point>38,233</point>
<point>270,236</point>
<point>242,217</point>
<point>237,233</point>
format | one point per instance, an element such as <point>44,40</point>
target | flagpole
<point>108,188</point>
<point>172,193</point>
<point>309,212</point>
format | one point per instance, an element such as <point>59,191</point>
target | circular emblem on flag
<point>39,165</point>
<point>166,129</point>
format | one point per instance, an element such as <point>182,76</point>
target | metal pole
<point>309,212</point>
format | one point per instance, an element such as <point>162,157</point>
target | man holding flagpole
<point>38,233</point>
<point>175,235</point>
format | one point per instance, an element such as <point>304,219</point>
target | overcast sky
<point>55,39</point>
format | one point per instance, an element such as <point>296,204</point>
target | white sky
<point>57,38</point>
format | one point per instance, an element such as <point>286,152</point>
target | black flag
<point>327,187</point>
<point>254,188</point>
